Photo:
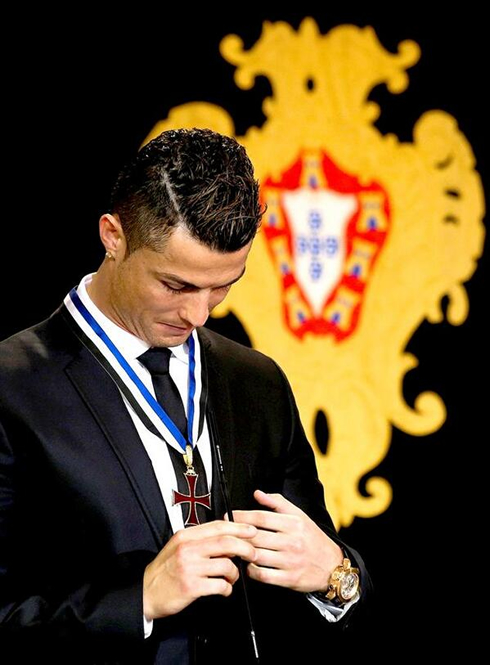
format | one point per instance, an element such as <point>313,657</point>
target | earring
<point>108,255</point>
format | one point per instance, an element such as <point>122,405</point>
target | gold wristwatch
<point>343,584</point>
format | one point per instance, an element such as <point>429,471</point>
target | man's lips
<point>177,329</point>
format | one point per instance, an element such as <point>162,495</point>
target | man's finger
<point>220,568</point>
<point>264,519</point>
<point>269,575</point>
<point>216,528</point>
<point>271,540</point>
<point>277,502</point>
<point>225,546</point>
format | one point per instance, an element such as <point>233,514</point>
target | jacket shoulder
<point>40,345</point>
<point>238,362</point>
<point>227,350</point>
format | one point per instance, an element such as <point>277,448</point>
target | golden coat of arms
<point>362,238</point>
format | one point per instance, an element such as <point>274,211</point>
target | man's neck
<point>99,290</point>
<point>95,290</point>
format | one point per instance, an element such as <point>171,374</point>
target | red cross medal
<point>192,499</point>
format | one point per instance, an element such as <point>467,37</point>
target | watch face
<point>349,585</point>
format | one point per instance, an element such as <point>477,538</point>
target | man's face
<point>162,296</point>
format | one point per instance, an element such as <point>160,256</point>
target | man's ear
<point>112,236</point>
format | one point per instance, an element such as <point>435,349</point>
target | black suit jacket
<point>81,514</point>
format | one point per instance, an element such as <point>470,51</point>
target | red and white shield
<point>324,231</point>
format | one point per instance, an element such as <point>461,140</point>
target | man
<point>117,540</point>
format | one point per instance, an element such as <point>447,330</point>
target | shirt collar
<point>128,344</point>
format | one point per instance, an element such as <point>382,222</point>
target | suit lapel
<point>103,399</point>
<point>219,401</point>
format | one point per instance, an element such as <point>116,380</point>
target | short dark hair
<point>194,178</point>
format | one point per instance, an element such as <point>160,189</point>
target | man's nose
<point>195,310</point>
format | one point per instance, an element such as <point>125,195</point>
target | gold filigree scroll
<point>409,232</point>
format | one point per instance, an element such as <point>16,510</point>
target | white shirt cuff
<point>147,626</point>
<point>328,610</point>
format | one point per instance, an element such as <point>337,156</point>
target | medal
<point>192,498</point>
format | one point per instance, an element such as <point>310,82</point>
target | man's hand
<point>291,550</point>
<point>195,562</point>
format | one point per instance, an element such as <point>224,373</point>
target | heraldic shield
<point>324,231</point>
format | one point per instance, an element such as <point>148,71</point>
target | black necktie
<point>156,360</point>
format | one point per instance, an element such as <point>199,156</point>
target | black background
<point>81,92</point>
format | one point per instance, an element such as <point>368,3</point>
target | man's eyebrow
<point>188,285</point>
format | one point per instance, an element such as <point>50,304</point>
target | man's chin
<point>168,335</point>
